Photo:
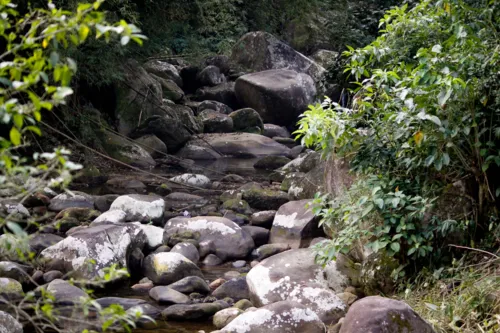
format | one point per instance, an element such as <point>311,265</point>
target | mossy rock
<point>247,120</point>
<point>78,213</point>
<point>376,274</point>
<point>264,199</point>
<point>238,206</point>
<point>291,179</point>
<point>271,162</point>
<point>10,288</point>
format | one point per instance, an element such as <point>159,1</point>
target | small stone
<point>235,288</point>
<point>166,295</point>
<point>243,304</point>
<point>51,276</point>
<point>231,275</point>
<point>190,284</point>
<point>224,317</point>
<point>212,260</point>
<point>239,264</point>
<point>216,283</point>
<point>143,287</point>
<point>254,263</point>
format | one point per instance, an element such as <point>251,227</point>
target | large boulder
<point>278,95</point>
<point>294,276</point>
<point>259,51</point>
<point>278,317</point>
<point>219,235</point>
<point>138,207</point>
<point>65,293</point>
<point>171,131</point>
<point>236,289</point>
<point>214,122</point>
<point>215,106</point>
<point>183,312</point>
<point>164,70</point>
<point>305,162</point>
<point>223,93</point>
<point>101,246</point>
<point>125,150</point>
<point>295,225</point>
<point>271,131</point>
<point>165,268</point>
<point>247,120</point>
<point>170,89</point>
<point>265,199</point>
<point>154,146</point>
<point>138,96</point>
<point>377,314</point>
<point>186,117</point>
<point>240,144</point>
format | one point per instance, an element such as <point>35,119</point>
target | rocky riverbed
<point>218,234</point>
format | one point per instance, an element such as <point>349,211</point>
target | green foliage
<point>425,114</point>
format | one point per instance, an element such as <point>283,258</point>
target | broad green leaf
<point>379,202</point>
<point>15,136</point>
<point>395,246</point>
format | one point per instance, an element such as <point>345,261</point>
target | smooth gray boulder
<point>215,106</point>
<point>218,235</point>
<point>263,218</point>
<point>100,246</point>
<point>295,225</point>
<point>65,293</point>
<point>294,276</point>
<point>247,120</point>
<point>259,51</point>
<point>210,76</point>
<point>138,207</point>
<point>240,144</point>
<point>164,70</point>
<point>279,317</point>
<point>271,131</point>
<point>70,200</point>
<point>165,268</point>
<point>154,146</point>
<point>183,312</point>
<point>111,216</point>
<point>190,284</point>
<point>166,295</point>
<point>214,122</point>
<point>39,242</point>
<point>188,250</point>
<point>278,95</point>
<point>9,324</point>
<point>236,289</point>
<point>379,315</point>
<point>223,93</point>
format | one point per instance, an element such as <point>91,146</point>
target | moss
<point>238,206</point>
<point>265,199</point>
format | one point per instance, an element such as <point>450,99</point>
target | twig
<point>472,249</point>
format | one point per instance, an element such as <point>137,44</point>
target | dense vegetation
<point>424,126</point>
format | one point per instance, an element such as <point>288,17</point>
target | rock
<point>231,178</point>
<point>271,131</point>
<point>170,89</point>
<point>186,117</point>
<point>240,144</point>
<point>171,131</point>
<point>278,95</point>
<point>243,304</point>
<point>51,276</point>
<point>121,185</point>
<point>304,163</point>
<point>144,208</point>
<point>265,199</point>
<point>154,146</point>
<point>347,298</point>
<point>271,162</point>
<point>190,284</point>
<point>178,200</point>
<point>289,142</point>
<point>211,76</point>
<point>215,106</point>
<point>164,70</point>
<point>247,120</point>
<point>216,283</point>
<point>312,183</point>
<point>163,248</point>
<point>238,206</point>
<point>285,316</point>
<point>224,317</point>
<point>268,250</point>
<point>10,288</point>
<point>167,267</point>
<point>376,274</point>
<point>220,61</point>
<point>295,225</point>
<point>292,180</point>
<point>259,235</point>
<point>181,312</point>
<point>66,294</point>
<point>124,150</point>
<point>231,275</point>
<point>111,216</point>
<point>253,263</point>
<point>104,244</point>
<point>143,287</point>
<point>325,58</point>
<point>103,202</point>
<point>378,314</point>
<point>130,305</point>
<point>165,295</point>
<point>263,219</point>
<point>223,93</point>
<point>197,152</point>
<point>260,51</point>
<point>227,238</point>
<point>192,179</point>
<point>39,242</point>
<point>236,289</point>
<point>155,236</point>
<point>214,122</point>
<point>138,96</point>
<point>294,276</point>
<point>239,264</point>
<point>212,260</point>
<point>18,272</point>
<point>71,199</point>
<point>295,152</point>
<point>188,250</point>
<point>8,324</point>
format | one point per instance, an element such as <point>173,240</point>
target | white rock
<point>192,179</point>
<point>143,208</point>
<point>112,216</point>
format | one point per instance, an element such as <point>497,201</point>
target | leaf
<point>18,120</point>
<point>45,43</point>
<point>429,160</point>
<point>435,120</point>
<point>367,210</point>
<point>124,40</point>
<point>418,137</point>
<point>395,247</point>
<point>443,97</point>
<point>446,159</point>
<point>15,228</point>
<point>83,32</point>
<point>379,202</point>
<point>34,129</point>
<point>437,48</point>
<point>15,136</point>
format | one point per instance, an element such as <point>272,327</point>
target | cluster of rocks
<point>168,236</point>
